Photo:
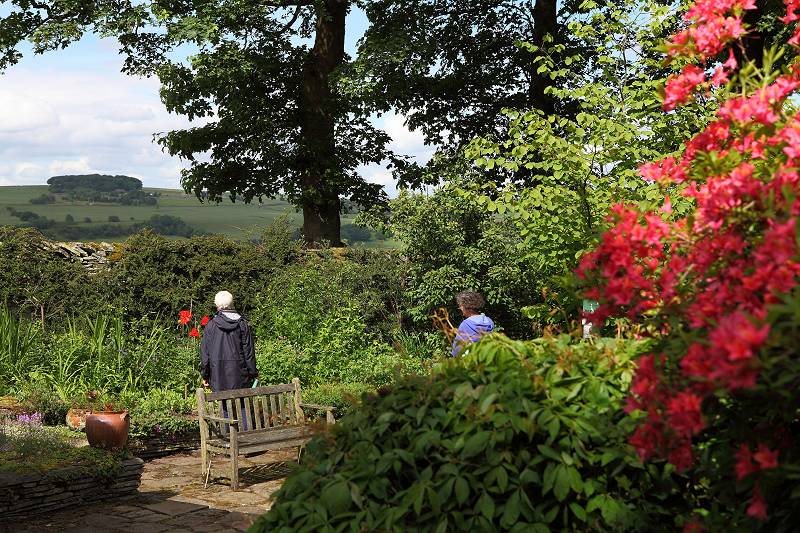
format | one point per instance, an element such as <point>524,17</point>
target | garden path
<point>172,499</point>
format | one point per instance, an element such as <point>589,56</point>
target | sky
<point>73,111</point>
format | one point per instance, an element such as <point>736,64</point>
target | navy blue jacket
<point>227,354</point>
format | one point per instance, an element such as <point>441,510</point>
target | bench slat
<point>249,438</point>
<point>268,422</point>
<point>263,447</point>
<point>257,412</point>
<point>273,411</point>
<point>281,409</point>
<point>243,393</point>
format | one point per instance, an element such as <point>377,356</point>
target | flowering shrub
<point>718,289</point>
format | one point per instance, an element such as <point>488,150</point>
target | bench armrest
<point>231,421</point>
<point>318,406</point>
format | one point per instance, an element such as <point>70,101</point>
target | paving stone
<point>175,508</point>
<point>147,528</point>
<point>165,483</point>
<point>103,520</point>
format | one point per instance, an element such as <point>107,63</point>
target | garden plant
<point>717,287</point>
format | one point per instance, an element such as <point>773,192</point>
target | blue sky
<point>72,111</point>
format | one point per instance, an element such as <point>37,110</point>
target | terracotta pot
<point>108,430</point>
<point>76,418</point>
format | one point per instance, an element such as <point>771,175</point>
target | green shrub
<point>27,446</point>
<point>39,282</point>
<point>517,436</point>
<point>158,276</point>
<point>159,411</point>
<point>38,397</point>
<point>342,396</point>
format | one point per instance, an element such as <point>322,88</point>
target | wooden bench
<point>245,421</point>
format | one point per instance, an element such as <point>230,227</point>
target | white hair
<point>223,300</point>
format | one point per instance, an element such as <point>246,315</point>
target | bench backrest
<point>260,408</point>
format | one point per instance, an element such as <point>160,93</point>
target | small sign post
<point>589,306</point>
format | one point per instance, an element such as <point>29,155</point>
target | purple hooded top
<point>470,330</point>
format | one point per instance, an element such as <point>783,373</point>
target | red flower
<point>685,416</point>
<point>681,456</point>
<point>692,527</point>
<point>204,321</point>
<point>757,508</point>
<point>679,88</point>
<point>744,462</point>
<point>194,333</point>
<point>765,457</point>
<point>184,317</point>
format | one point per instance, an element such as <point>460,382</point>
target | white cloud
<point>20,113</point>
<point>73,111</point>
<point>66,118</point>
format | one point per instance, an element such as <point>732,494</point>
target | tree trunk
<point>318,164</point>
<point>545,21</point>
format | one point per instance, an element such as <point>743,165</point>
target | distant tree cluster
<point>68,230</point>
<point>43,199</point>
<point>123,190</point>
<point>93,182</point>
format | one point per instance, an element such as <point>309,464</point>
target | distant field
<point>238,220</point>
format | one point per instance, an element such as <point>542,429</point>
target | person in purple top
<point>475,324</point>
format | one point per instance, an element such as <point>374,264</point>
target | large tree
<point>261,77</point>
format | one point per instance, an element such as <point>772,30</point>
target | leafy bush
<point>159,411</point>
<point>516,436</point>
<point>156,275</point>
<point>27,446</point>
<point>103,354</point>
<point>719,288</point>
<point>38,397</point>
<point>343,396</point>
<point>39,282</point>
<point>452,243</point>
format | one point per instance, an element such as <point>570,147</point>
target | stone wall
<point>93,256</point>
<point>24,494</point>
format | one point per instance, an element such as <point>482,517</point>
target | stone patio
<point>172,499</point>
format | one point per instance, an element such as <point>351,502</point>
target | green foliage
<point>43,199</point>
<point>572,167</point>
<point>38,397</point>
<point>26,447</point>
<point>517,436</point>
<point>159,411</point>
<point>159,276</point>
<point>33,280</point>
<point>96,354</point>
<point>93,182</point>
<point>453,244</point>
<point>343,396</point>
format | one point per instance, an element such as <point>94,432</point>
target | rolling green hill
<point>239,220</point>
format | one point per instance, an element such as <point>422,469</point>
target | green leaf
<point>486,505</point>
<point>336,497</point>
<point>502,478</point>
<point>487,401</point>
<point>561,485</point>
<point>462,490</point>
<point>476,443</point>
<point>547,451</point>
<point>510,510</point>
<point>578,511</point>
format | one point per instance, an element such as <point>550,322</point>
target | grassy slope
<point>235,220</point>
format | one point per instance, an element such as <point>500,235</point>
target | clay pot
<point>76,418</point>
<point>108,430</point>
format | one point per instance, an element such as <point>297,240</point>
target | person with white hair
<point>228,358</point>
